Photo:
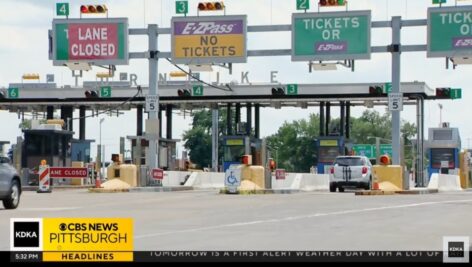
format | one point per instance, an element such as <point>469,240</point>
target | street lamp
<point>440,114</point>
<point>101,149</point>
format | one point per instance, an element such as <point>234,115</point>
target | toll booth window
<point>327,154</point>
<point>442,154</point>
<point>233,153</point>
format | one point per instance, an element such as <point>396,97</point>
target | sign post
<point>395,102</point>
<point>157,175</point>
<point>233,179</point>
<point>13,92</point>
<point>151,103</point>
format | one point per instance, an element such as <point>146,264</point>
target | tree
<point>198,139</point>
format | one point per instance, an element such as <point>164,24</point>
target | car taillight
<point>364,170</point>
<point>331,170</point>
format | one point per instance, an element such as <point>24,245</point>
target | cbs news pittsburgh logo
<point>456,249</point>
<point>74,239</point>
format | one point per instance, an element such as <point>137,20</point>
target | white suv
<point>350,172</point>
<point>10,185</point>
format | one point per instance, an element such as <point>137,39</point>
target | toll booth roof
<point>47,132</point>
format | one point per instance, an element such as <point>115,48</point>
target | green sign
<point>62,9</point>
<point>370,151</point>
<point>439,1</point>
<point>105,91</point>
<point>456,93</point>
<point>364,150</point>
<point>181,7</point>
<point>450,31</point>
<point>292,89</point>
<point>386,149</point>
<point>13,92</point>
<point>331,36</point>
<point>197,90</point>
<point>303,4</point>
<point>388,88</point>
<point>96,41</point>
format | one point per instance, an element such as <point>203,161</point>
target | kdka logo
<point>25,234</point>
<point>456,249</point>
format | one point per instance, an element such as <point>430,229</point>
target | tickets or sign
<point>450,31</point>
<point>63,172</point>
<point>331,35</point>
<point>99,41</point>
<point>205,40</point>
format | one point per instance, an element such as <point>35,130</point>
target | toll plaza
<point>443,150</point>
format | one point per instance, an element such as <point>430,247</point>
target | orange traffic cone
<point>98,182</point>
<point>376,186</point>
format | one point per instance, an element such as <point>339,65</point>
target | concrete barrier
<point>206,180</point>
<point>445,182</point>
<point>303,182</point>
<point>174,178</point>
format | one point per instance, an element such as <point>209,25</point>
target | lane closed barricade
<point>44,179</point>
<point>46,173</point>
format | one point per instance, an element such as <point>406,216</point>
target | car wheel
<point>341,189</point>
<point>332,187</point>
<point>14,197</point>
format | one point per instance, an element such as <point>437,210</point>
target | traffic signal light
<point>184,93</point>
<point>332,2</point>
<point>278,91</point>
<point>91,94</point>
<point>211,6</point>
<point>272,165</point>
<point>375,90</point>
<point>93,9</point>
<point>443,92</point>
<point>384,160</point>
<point>3,95</point>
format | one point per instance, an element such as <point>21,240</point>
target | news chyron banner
<point>209,39</point>
<point>94,41</point>
<point>72,239</point>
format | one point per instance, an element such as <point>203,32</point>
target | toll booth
<point>234,147</point>
<point>167,151</point>
<point>443,149</point>
<point>53,145</point>
<point>327,149</point>
<point>80,150</point>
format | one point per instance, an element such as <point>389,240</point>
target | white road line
<point>49,209</point>
<point>301,217</point>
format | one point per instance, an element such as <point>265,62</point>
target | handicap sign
<point>233,178</point>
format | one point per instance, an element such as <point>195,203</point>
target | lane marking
<point>49,209</point>
<point>301,217</point>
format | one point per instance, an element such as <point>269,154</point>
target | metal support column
<point>214,139</point>
<point>257,121</point>
<point>169,121</point>
<point>322,118</point>
<point>66,115</point>
<point>342,110</point>
<point>237,117</point>
<point>396,63</point>
<point>348,120</point>
<point>82,122</point>
<point>139,120</point>
<point>328,117</point>
<point>248,118</point>
<point>159,117</point>
<point>153,157</point>
<point>229,123</point>
<point>50,112</point>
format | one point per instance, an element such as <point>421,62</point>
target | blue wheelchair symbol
<point>231,179</point>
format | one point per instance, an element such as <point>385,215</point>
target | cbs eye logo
<point>25,234</point>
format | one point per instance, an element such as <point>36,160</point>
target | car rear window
<point>349,162</point>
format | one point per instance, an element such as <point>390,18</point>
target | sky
<point>24,49</point>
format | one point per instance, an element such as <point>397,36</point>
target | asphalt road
<point>206,220</point>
